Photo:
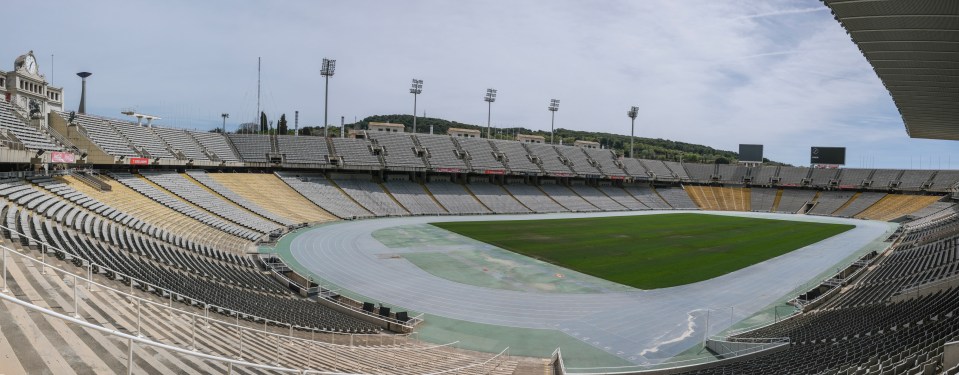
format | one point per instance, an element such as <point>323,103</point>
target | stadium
<point>134,247</point>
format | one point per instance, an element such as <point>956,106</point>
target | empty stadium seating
<point>414,197</point>
<point>29,136</point>
<point>496,198</point>
<point>356,153</point>
<point>208,181</point>
<point>578,161</point>
<point>327,195</point>
<point>482,157</point>
<point>399,151</point>
<point>303,150</point>
<point>371,196</point>
<point>720,198</point>
<point>549,159</point>
<point>830,201</point>
<point>442,153</point>
<point>568,198</point>
<point>153,192</point>
<point>455,198</point>
<point>101,131</point>
<point>606,161</point>
<point>635,169</point>
<point>677,198</point>
<point>185,188</point>
<point>252,147</point>
<point>762,200</point>
<point>791,201</point>
<point>180,141</point>
<point>622,197</point>
<point>597,198</point>
<point>648,197</point>
<point>534,198</point>
<point>862,329</point>
<point>272,194</point>
<point>516,156</point>
<point>659,170</point>
<point>150,240</point>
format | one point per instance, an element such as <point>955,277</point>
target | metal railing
<point>203,326</point>
<point>133,282</point>
<point>672,365</point>
<point>133,340</point>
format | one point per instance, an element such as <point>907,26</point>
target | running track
<point>640,326</point>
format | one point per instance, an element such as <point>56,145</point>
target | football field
<point>651,251</point>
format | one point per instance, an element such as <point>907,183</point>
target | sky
<point>782,73</point>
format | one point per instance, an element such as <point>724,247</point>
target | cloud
<point>782,73</point>
<point>786,12</point>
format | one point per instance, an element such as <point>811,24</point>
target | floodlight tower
<point>416,89</point>
<point>225,116</point>
<point>553,107</point>
<point>327,71</point>
<point>633,111</point>
<point>83,91</point>
<point>490,98</point>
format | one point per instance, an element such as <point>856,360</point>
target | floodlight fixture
<point>329,65</point>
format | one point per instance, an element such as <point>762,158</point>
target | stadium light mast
<point>553,107</point>
<point>225,116</point>
<point>327,71</point>
<point>633,111</point>
<point>416,89</point>
<point>490,98</point>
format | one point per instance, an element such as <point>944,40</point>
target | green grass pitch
<point>650,251</point>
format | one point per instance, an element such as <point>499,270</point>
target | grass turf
<point>650,251</point>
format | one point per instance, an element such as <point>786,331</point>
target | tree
<point>216,130</point>
<point>722,160</point>
<point>247,128</point>
<point>264,127</point>
<point>281,125</point>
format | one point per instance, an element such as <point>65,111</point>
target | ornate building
<point>28,90</point>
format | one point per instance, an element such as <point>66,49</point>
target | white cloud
<point>782,73</point>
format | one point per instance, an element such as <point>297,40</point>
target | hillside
<point>646,148</point>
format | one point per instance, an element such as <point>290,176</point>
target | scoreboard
<point>827,155</point>
<point>751,153</point>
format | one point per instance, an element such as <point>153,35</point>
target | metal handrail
<point>90,265</point>
<point>671,364</point>
<point>169,306</point>
<point>504,352</point>
<point>194,318</point>
<point>140,340</point>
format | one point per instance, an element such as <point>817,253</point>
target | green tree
<point>281,127</point>
<point>264,126</point>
